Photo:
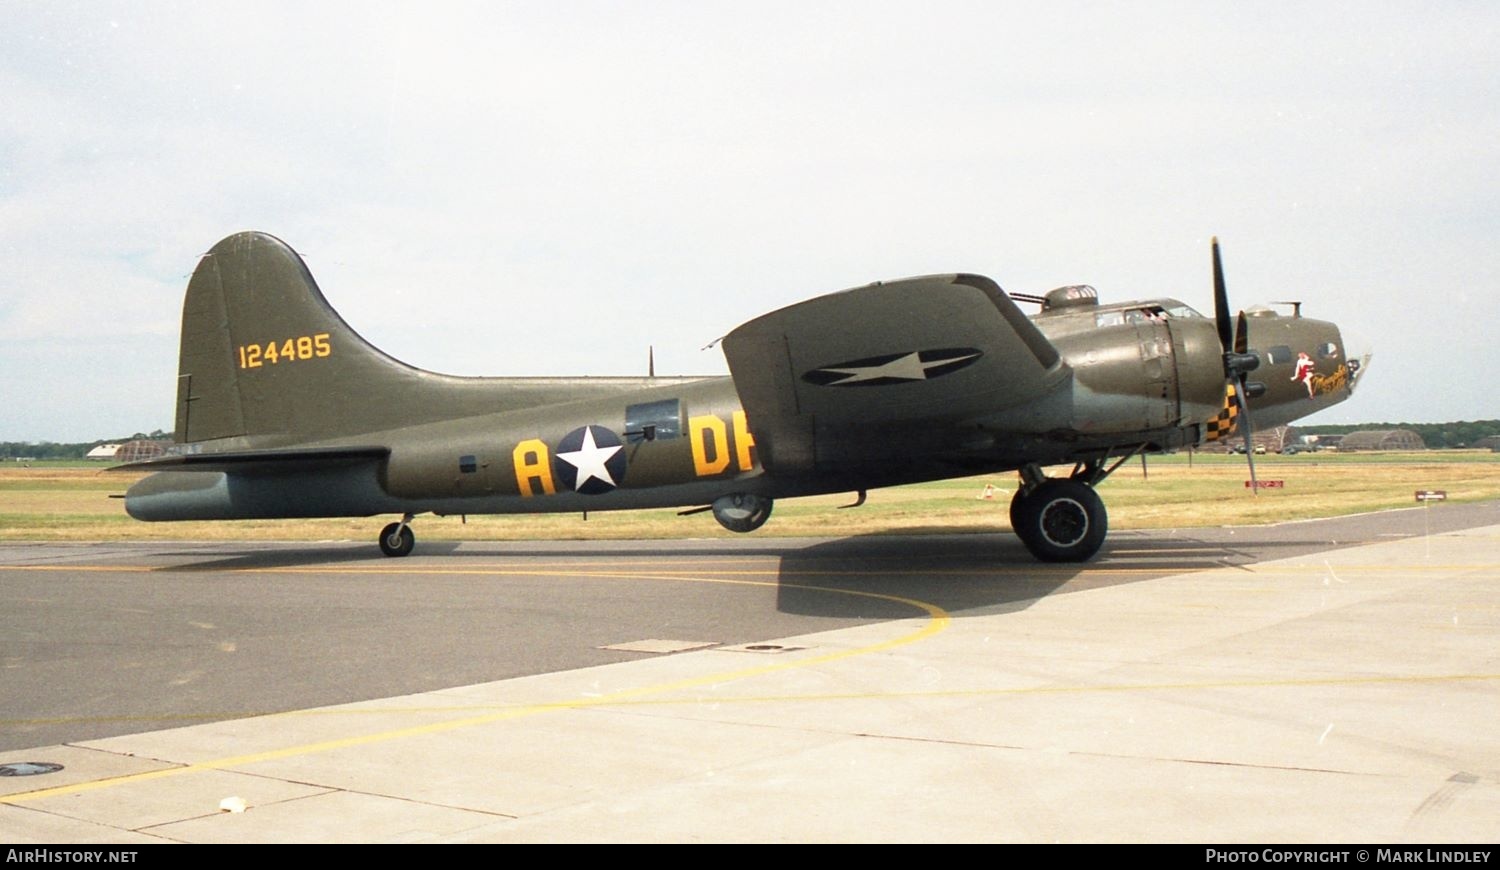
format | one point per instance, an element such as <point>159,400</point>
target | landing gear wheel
<point>1015,509</point>
<point>397,539</point>
<point>741,511</point>
<point>1060,520</point>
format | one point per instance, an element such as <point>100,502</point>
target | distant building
<point>1273,440</point>
<point>1383,439</point>
<point>1276,438</point>
<point>130,451</point>
<point>135,451</point>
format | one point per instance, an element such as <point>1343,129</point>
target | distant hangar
<point>1382,439</point>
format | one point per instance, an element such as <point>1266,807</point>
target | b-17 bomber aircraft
<point>284,411</point>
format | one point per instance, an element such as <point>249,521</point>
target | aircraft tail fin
<point>267,363</point>
<point>264,354</point>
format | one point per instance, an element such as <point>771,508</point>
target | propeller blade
<point>1248,432</point>
<point>1235,343</point>
<point>1222,318</point>
<point>1237,359</point>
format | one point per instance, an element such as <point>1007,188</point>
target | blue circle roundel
<point>590,460</point>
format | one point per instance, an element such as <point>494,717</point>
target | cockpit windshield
<point>1146,313</point>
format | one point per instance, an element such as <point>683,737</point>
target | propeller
<point>1238,361</point>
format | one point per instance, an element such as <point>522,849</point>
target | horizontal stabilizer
<point>261,461</point>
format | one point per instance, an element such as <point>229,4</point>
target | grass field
<point>70,501</point>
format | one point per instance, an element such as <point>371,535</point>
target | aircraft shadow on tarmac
<point>866,577</point>
<point>935,547</point>
<point>958,573</point>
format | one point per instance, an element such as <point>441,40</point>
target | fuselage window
<point>1279,355</point>
<point>653,421</point>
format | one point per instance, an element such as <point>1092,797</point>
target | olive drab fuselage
<point>284,411</point>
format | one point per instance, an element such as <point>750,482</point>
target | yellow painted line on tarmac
<point>1033,570</point>
<point>528,571</point>
<point>522,569</point>
<point>496,711</point>
<point>1317,682</point>
<point>937,621</point>
<point>1030,571</point>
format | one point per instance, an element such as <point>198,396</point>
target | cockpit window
<point>1144,314</point>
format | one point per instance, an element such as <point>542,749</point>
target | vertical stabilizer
<point>267,362</point>
<point>265,357</point>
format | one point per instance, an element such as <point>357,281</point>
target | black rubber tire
<point>1061,521</point>
<point>742,512</point>
<point>397,540</point>
<point>1015,508</point>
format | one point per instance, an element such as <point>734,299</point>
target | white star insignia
<point>589,459</point>
<point>907,368</point>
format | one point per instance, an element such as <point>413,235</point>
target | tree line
<point>78,450</point>
<point>1463,433</point>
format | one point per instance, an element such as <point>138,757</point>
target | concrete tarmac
<point>1333,681</point>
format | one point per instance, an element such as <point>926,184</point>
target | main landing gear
<point>1062,519</point>
<point>397,539</point>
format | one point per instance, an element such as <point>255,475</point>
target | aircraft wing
<point>894,356</point>
<point>274,461</point>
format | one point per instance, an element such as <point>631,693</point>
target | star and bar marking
<point>595,463</point>
<point>917,365</point>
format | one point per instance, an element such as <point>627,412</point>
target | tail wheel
<point>397,539</point>
<point>1060,520</point>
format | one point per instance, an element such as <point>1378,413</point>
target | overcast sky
<point>549,187</point>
